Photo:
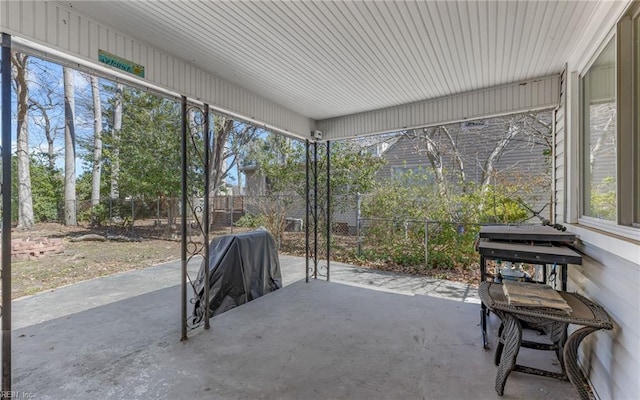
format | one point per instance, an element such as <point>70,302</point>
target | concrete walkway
<point>117,337</point>
<point>293,269</point>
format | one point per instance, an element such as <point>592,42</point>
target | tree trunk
<point>25,200</point>
<point>115,155</point>
<point>48,132</point>
<point>97,143</point>
<point>595,149</point>
<point>223,128</point>
<point>435,159</point>
<point>490,162</point>
<point>70,216</point>
<point>457,157</point>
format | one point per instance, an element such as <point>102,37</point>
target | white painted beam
<point>535,94</point>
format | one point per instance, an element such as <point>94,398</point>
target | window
<point>610,130</point>
<point>599,145</point>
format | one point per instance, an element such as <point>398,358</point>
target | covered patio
<point>322,72</point>
<point>366,334</point>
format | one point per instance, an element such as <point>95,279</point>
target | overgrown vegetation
<point>404,214</point>
<point>280,165</point>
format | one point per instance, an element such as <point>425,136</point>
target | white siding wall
<point>610,274</point>
<point>51,25</point>
<point>609,357</point>
<point>519,97</point>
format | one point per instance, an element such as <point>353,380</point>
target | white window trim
<point>612,227</point>
<point>626,249</point>
<point>596,223</point>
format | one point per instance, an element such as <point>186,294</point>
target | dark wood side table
<point>531,244</point>
<point>527,253</point>
<point>526,233</point>
<point>586,313</point>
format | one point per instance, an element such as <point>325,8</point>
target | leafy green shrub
<point>250,221</point>
<point>46,190</point>
<point>96,215</point>
<point>401,207</point>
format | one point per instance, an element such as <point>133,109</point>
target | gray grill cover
<point>242,267</point>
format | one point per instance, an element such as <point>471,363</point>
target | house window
<point>610,126</point>
<point>599,145</point>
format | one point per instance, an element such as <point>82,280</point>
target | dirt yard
<point>82,260</point>
<point>151,245</point>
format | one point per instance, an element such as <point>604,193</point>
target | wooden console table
<point>584,312</point>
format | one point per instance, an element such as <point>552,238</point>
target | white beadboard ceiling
<point>325,59</point>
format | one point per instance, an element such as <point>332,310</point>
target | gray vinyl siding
<point>611,358</point>
<point>475,140</point>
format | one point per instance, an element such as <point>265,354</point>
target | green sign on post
<point>121,63</point>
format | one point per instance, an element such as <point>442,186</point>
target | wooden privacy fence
<point>226,210</point>
<point>227,203</point>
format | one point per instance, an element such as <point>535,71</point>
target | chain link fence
<point>421,243</point>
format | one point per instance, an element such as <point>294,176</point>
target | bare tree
<point>218,172</point>
<point>427,142</point>
<point>457,156</point>
<point>49,131</point>
<point>46,107</point>
<point>434,155</point>
<point>493,158</point>
<point>97,142</point>
<point>70,212</point>
<point>239,146</point>
<point>231,139</point>
<point>115,154</point>
<point>541,131</point>
<point>603,141</point>
<point>441,148</point>
<point>25,199</point>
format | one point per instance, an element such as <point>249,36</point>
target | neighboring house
<point>344,215</point>
<point>526,158</point>
<point>255,182</point>
<point>257,190</point>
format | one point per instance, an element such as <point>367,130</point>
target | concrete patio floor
<point>117,337</point>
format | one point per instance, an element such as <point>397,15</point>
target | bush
<point>250,221</point>
<point>400,209</point>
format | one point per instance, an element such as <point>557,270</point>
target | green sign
<point>120,63</point>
